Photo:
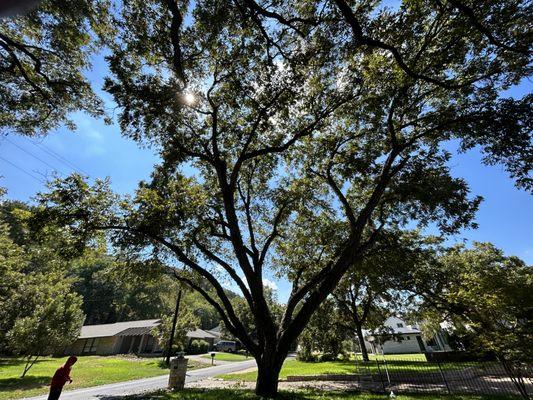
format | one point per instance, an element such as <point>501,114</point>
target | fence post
<point>381,377</point>
<point>444,378</point>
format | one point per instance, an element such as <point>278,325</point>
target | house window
<point>399,325</point>
<point>89,347</point>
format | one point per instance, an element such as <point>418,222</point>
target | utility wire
<point>58,157</point>
<point>23,170</point>
<point>34,156</point>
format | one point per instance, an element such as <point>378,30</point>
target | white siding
<point>403,346</point>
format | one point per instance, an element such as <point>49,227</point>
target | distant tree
<point>364,304</point>
<point>12,260</point>
<point>376,288</point>
<point>484,296</point>
<point>40,313</point>
<point>48,317</point>
<point>186,322</point>
<point>44,56</point>
<point>323,333</point>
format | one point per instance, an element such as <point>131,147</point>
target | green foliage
<point>322,335</point>
<point>485,295</point>
<point>44,56</point>
<point>48,315</point>
<point>186,322</point>
<point>198,347</point>
<point>39,312</point>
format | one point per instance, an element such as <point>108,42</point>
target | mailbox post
<point>213,354</point>
<point>178,369</point>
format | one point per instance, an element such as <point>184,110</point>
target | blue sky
<point>505,216</point>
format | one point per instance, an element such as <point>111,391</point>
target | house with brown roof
<point>127,337</point>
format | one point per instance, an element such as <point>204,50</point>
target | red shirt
<point>61,377</point>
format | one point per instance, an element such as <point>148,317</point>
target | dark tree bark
<point>268,370</point>
<point>361,339</point>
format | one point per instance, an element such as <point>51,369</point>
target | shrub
<point>198,347</point>
<point>327,357</point>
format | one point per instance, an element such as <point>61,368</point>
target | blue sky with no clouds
<point>505,217</point>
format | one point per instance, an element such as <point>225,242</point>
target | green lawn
<point>228,357</point>
<point>88,371</point>
<point>217,394</point>
<point>395,363</point>
<point>294,367</point>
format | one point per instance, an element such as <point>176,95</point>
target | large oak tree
<point>299,128</point>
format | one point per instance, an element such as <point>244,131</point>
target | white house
<point>403,338</point>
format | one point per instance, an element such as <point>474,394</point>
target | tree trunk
<point>268,369</point>
<point>29,364</point>
<point>361,339</point>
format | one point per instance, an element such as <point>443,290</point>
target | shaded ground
<point>239,394</point>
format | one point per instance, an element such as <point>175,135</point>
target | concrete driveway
<point>147,384</point>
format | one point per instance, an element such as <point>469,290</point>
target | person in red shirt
<point>61,377</point>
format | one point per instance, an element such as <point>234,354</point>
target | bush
<point>243,352</point>
<point>305,354</point>
<point>198,347</point>
<point>327,357</point>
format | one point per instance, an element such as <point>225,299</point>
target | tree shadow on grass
<point>239,394</point>
<point>228,394</point>
<point>27,383</point>
<point>15,361</point>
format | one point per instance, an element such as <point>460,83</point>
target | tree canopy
<point>484,296</point>
<point>299,128</point>
<point>45,55</point>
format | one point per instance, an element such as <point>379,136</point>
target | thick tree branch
<point>229,269</point>
<point>183,258</point>
<point>251,232</point>
<point>255,7</point>
<point>239,332</point>
<point>361,39</point>
<point>175,28</point>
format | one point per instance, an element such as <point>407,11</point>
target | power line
<point>33,155</point>
<point>58,157</point>
<point>23,170</point>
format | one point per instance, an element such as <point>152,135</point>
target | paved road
<point>148,384</point>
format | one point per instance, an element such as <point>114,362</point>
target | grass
<point>217,394</point>
<point>88,371</point>
<point>227,357</point>
<point>415,363</point>
<point>295,367</point>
